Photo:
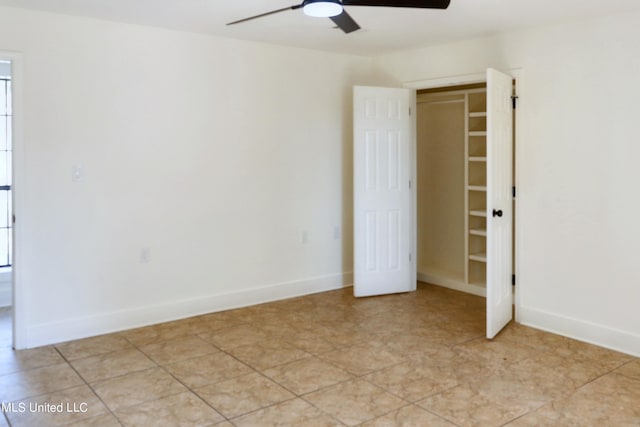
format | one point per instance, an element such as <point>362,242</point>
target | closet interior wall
<point>451,198</point>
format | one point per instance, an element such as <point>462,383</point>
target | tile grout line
<point>413,402</point>
<point>295,395</point>
<point>319,409</point>
<point>88,385</point>
<point>262,408</point>
<point>195,394</point>
<point>6,417</point>
<point>221,350</point>
<point>178,380</point>
<point>633,378</point>
<point>355,378</point>
<point>255,370</point>
<point>410,404</point>
<point>139,348</point>
<point>189,388</point>
<point>608,372</point>
<point>439,416</point>
<point>520,416</point>
<point>32,396</point>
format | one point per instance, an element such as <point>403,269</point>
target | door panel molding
<point>384,205</point>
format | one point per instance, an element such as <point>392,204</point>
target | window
<point>6,217</point>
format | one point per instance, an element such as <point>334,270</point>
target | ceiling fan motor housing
<point>322,8</point>
<point>333,9</point>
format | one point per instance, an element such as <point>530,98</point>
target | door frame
<point>18,182</point>
<point>458,80</point>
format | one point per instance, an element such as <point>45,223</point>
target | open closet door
<point>383,198</point>
<point>499,201</point>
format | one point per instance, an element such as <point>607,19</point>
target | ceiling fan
<point>334,10</point>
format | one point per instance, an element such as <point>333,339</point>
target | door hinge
<point>513,191</point>
<point>13,218</point>
<point>409,184</point>
<point>409,257</point>
<point>514,101</point>
<point>409,110</point>
<point>513,279</point>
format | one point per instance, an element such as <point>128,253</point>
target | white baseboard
<point>603,336</point>
<point>447,282</point>
<point>104,323</point>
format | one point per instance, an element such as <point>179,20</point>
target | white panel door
<point>383,200</point>
<point>499,201</point>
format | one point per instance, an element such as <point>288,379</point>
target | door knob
<point>497,213</point>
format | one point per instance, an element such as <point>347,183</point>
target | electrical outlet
<point>304,237</point>
<point>145,255</point>
<point>336,232</point>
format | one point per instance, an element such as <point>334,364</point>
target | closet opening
<point>452,193</point>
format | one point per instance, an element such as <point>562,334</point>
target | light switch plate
<point>77,173</point>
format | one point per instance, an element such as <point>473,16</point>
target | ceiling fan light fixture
<point>322,9</point>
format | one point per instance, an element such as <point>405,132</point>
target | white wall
<point>579,236</point>
<point>214,154</point>
<point>5,289</point>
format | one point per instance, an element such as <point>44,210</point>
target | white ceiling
<point>383,29</point>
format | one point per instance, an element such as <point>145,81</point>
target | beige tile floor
<point>416,359</point>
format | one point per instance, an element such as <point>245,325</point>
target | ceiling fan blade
<point>345,22</point>
<point>297,6</point>
<point>423,4</point>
